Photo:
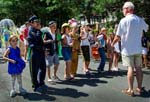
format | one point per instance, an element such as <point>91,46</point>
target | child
<point>110,50</point>
<point>15,64</point>
<point>101,38</point>
<point>37,62</point>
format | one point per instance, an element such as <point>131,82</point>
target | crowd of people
<point>41,50</point>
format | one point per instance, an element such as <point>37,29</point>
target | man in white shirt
<point>51,46</point>
<point>130,31</point>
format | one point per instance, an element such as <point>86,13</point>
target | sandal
<point>69,79</point>
<point>88,73</point>
<point>139,91</point>
<point>89,69</point>
<point>125,91</point>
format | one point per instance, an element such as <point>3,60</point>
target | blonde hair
<point>14,36</point>
<point>102,30</point>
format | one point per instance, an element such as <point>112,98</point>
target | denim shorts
<point>66,53</point>
<point>50,60</point>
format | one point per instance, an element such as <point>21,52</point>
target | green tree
<point>63,10</point>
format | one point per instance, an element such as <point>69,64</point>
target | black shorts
<point>86,52</point>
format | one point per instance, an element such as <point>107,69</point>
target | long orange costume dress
<point>75,52</point>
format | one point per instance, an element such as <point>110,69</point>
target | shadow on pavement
<point>38,97</point>
<point>68,92</point>
<point>104,74</point>
<point>120,73</point>
<point>81,82</point>
<point>146,72</point>
<point>2,61</point>
<point>145,94</point>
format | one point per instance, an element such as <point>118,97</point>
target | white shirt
<point>53,37</point>
<point>101,40</point>
<point>69,40</point>
<point>85,42</point>
<point>130,30</point>
<point>116,47</point>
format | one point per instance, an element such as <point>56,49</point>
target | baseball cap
<point>33,19</point>
<point>51,23</point>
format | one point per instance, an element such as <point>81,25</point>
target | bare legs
<point>110,62</point>
<point>25,52</point>
<point>49,71</point>
<point>55,70</point>
<point>130,77</point>
<point>86,66</point>
<point>67,70</point>
<point>144,60</point>
<point>139,77</point>
<point>115,59</point>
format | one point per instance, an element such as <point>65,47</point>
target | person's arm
<point>116,39</point>
<point>82,35</point>
<point>64,40</point>
<point>73,40</point>
<point>31,40</point>
<point>145,26</point>
<point>97,41</point>
<point>5,56</point>
<point>147,45</point>
<point>47,41</point>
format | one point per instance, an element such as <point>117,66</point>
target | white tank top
<point>69,41</point>
<point>85,42</point>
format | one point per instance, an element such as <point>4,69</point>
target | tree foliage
<point>62,10</point>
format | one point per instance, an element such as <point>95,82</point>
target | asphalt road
<point>98,88</point>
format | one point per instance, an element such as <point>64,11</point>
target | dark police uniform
<point>37,58</point>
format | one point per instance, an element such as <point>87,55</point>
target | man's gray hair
<point>128,5</point>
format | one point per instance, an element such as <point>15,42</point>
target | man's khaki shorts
<point>132,61</point>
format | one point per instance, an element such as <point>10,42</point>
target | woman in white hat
<point>66,50</point>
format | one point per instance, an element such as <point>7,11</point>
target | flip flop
<point>125,91</point>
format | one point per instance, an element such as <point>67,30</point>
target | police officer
<point>37,58</point>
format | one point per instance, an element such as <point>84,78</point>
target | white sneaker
<point>50,80</point>
<point>12,93</point>
<point>22,91</point>
<point>115,69</point>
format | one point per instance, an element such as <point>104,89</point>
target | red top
<point>26,32</point>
